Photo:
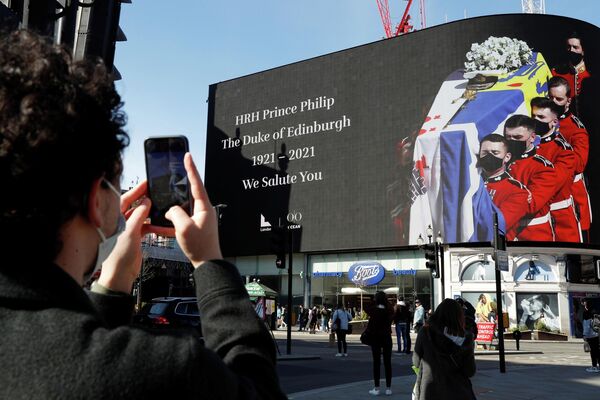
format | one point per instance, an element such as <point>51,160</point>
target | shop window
<point>534,271</point>
<point>479,271</point>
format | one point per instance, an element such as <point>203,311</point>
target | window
<point>479,271</point>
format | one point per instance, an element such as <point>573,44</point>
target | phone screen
<point>167,179</point>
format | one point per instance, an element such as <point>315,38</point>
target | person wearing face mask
<point>576,134</point>
<point>63,216</point>
<point>574,71</point>
<point>536,173</point>
<point>507,193</point>
<point>555,148</point>
<point>444,356</point>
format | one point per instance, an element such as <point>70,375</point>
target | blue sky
<point>176,49</point>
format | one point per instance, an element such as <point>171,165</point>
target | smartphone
<point>168,183</point>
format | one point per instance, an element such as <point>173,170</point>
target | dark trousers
<point>594,350</point>
<point>386,350</point>
<point>403,336</point>
<point>341,340</point>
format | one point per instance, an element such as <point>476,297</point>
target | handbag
<point>366,337</point>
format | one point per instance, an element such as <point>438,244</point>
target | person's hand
<point>197,234</point>
<point>122,267</point>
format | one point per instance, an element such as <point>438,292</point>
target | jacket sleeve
<point>232,329</point>
<point>468,363</point>
<point>418,350</point>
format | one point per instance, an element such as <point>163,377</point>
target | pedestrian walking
<point>379,327</point>
<point>283,317</point>
<point>300,318</point>
<point>419,316</point>
<point>325,313</point>
<point>402,319</point>
<point>591,336</point>
<point>444,356</point>
<point>312,317</point>
<point>340,318</point>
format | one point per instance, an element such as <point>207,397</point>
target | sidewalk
<point>541,370</point>
<point>541,382</point>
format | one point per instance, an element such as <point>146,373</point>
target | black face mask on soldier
<point>517,148</point>
<point>574,58</point>
<point>541,128</point>
<point>489,162</point>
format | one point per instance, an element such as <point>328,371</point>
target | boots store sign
<point>366,273</point>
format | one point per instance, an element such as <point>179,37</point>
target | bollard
<point>517,337</point>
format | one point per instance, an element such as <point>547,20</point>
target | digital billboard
<point>366,148</point>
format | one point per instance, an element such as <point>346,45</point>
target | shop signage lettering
<point>323,274</point>
<point>411,271</point>
<point>366,273</point>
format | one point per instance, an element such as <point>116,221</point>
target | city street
<point>541,370</point>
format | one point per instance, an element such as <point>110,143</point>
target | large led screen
<point>445,127</point>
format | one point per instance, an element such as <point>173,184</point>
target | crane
<point>534,6</point>
<point>404,25</point>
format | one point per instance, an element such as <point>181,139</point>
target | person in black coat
<point>63,218</point>
<point>444,356</point>
<point>379,327</point>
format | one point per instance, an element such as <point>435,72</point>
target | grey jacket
<point>61,342</point>
<point>445,368</point>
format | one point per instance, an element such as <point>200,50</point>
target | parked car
<point>170,313</point>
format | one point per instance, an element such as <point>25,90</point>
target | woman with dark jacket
<point>444,356</point>
<point>379,327</point>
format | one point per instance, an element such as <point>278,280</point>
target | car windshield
<point>158,308</point>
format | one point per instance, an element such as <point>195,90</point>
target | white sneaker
<point>345,354</point>
<point>338,355</point>
<point>388,392</point>
<point>374,392</point>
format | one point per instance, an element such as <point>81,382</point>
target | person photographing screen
<point>63,218</point>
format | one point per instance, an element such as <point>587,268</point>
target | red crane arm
<point>404,20</point>
<point>384,12</point>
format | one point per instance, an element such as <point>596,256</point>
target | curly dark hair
<point>61,128</point>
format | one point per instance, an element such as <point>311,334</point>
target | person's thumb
<point>180,219</point>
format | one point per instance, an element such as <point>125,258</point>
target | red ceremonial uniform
<point>575,133</point>
<point>512,198</point>
<point>539,176</point>
<point>555,148</point>
<point>575,77</point>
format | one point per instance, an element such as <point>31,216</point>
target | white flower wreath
<point>502,54</point>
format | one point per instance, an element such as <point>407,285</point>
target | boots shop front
<point>352,278</point>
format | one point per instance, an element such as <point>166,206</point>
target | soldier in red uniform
<point>575,133</point>
<point>555,148</point>
<point>575,71</point>
<point>536,173</point>
<point>507,193</point>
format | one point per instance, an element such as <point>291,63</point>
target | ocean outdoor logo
<point>366,273</point>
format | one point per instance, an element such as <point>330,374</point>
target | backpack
<point>596,323</point>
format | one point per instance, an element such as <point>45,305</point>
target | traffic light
<point>432,257</point>
<point>279,245</point>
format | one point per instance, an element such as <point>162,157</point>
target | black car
<point>170,313</point>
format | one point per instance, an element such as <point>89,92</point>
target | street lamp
<point>429,233</point>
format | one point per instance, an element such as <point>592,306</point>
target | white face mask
<point>457,340</point>
<point>106,246</point>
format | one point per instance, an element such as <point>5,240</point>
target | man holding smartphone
<point>61,137</point>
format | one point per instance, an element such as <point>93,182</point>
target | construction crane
<point>534,6</point>
<point>404,25</point>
